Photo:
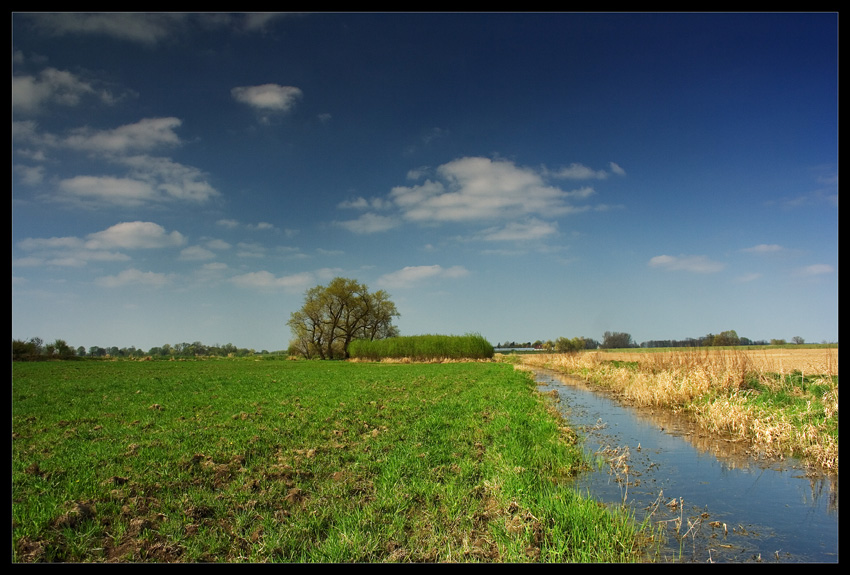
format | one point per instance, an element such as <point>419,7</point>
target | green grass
<point>235,460</point>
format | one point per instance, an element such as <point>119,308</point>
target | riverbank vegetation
<point>782,401</point>
<point>239,460</point>
<point>423,348</point>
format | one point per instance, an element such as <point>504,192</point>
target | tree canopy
<point>334,315</point>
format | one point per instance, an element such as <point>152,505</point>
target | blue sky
<point>181,178</point>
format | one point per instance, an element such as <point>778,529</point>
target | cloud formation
<point>148,179</point>
<point>267,97</point>
<point>478,189</point>
<point>412,275</point>
<point>695,264</point>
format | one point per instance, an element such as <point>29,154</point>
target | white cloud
<point>482,189</point>
<point>764,249</point>
<point>746,278</point>
<point>250,250</point>
<point>150,179</point>
<point>196,253</point>
<point>615,168</point>
<point>267,97</point>
<point>65,251</point>
<point>696,264</point>
<point>146,134</point>
<point>99,246</point>
<point>134,235</point>
<point>30,175</point>
<point>135,27</point>
<point>229,224</point>
<point>133,276</point>
<point>98,189</point>
<point>370,223</point>
<point>579,172</point>
<point>412,275</point>
<point>531,229</point>
<point>33,93</point>
<point>264,280</point>
<point>816,270</point>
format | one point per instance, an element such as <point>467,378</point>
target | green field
<point>237,460</point>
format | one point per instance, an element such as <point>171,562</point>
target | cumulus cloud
<point>32,94</point>
<point>99,246</point>
<point>267,97</point>
<point>146,134</point>
<point>412,275</point>
<point>148,179</point>
<point>134,235</point>
<point>64,252</point>
<point>480,189</point>
<point>696,264</point>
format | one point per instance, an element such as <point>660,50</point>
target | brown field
<point>821,361</point>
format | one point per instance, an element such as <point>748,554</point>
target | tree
<point>729,337</point>
<point>336,314</point>
<point>616,340</point>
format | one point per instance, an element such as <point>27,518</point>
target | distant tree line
<point>34,349</point>
<point>621,340</point>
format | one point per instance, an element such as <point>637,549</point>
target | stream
<point>714,499</point>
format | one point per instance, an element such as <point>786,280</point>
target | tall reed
<point>423,348</point>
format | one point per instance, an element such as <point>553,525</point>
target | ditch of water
<point>716,501</point>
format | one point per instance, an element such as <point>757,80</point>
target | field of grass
<point>235,460</point>
<point>782,401</point>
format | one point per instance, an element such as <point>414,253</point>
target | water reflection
<point>717,500</point>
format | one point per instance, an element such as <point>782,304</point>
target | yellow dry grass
<point>712,385</point>
<point>823,361</point>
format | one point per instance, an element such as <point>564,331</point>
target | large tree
<point>336,314</point>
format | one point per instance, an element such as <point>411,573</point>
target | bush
<point>423,348</point>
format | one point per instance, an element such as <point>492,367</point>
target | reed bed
<point>423,348</point>
<point>782,403</point>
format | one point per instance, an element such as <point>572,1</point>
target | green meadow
<point>243,460</point>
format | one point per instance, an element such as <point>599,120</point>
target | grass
<point>783,402</point>
<point>235,460</point>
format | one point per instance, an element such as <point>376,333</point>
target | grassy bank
<point>272,461</point>
<point>423,348</point>
<point>783,402</point>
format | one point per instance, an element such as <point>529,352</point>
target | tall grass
<point>729,392</point>
<point>423,348</point>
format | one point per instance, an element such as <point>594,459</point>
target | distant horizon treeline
<point>35,348</point>
<point>621,340</point>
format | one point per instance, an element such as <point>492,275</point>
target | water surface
<point>717,501</point>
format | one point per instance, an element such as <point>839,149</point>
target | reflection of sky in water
<point>766,507</point>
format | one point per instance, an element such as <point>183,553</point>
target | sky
<point>187,177</point>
